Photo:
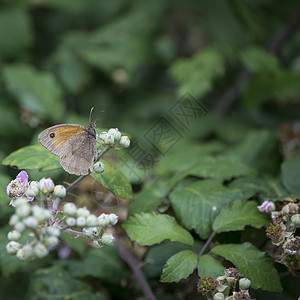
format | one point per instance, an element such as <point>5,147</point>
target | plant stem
<point>207,243</point>
<point>133,263</point>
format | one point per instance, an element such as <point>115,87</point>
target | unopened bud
<point>14,235</point>
<point>244,283</point>
<point>46,185</point>
<point>124,142</point>
<point>13,247</point>
<point>99,167</point>
<point>83,212</point>
<point>40,250</point>
<point>92,221</point>
<point>60,191</point>
<point>70,209</point>
<point>107,239</point>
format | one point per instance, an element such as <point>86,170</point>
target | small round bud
<point>70,209</point>
<point>81,221</point>
<point>53,231</point>
<point>124,142</point>
<point>244,283</point>
<point>230,280</point>
<point>296,220</point>
<point>13,219</point>
<point>46,215</point>
<point>103,135</point>
<point>92,220</point>
<point>60,191</point>
<point>25,253</point>
<point>104,220</point>
<point>46,185</point>
<point>34,184</point>
<point>109,139</point>
<point>31,222</point>
<point>37,212</point>
<point>219,296</point>
<point>14,235</point>
<point>113,219</point>
<point>23,211</point>
<point>20,226</point>
<point>99,167</point>
<point>32,191</point>
<point>21,201</point>
<point>40,250</point>
<point>51,241</point>
<point>13,247</point>
<point>83,212</point>
<point>107,239</point>
<point>115,133</point>
<point>70,221</point>
<point>89,231</point>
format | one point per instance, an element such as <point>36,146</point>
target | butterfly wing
<point>78,154</point>
<point>54,138</point>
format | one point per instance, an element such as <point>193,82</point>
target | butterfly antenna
<point>90,117</point>
<point>97,116</point>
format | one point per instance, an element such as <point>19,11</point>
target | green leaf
<point>15,32</point>
<point>198,203</point>
<point>103,263</point>
<point>36,91</point>
<point>76,244</point>
<point>259,149</point>
<point>179,266</point>
<point>252,264</point>
<point>153,228</point>
<point>259,60</point>
<point>209,266</point>
<point>54,282</point>
<point>196,75</point>
<point>114,180</point>
<point>32,157</point>
<point>290,174</point>
<point>157,256</point>
<point>237,215</point>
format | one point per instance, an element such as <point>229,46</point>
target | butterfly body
<point>74,144</point>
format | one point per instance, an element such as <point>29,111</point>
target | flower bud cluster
<point>28,220</point>
<point>93,226</point>
<point>229,286</point>
<point>114,138</point>
<point>282,233</point>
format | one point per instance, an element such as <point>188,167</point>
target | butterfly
<point>74,144</point>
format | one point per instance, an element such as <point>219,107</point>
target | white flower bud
<point>14,235</point>
<point>89,231</point>
<point>113,219</point>
<point>104,220</point>
<point>103,135</point>
<point>81,221</point>
<point>31,222</point>
<point>244,283</point>
<point>52,241</point>
<point>46,185</point>
<point>83,212</point>
<point>70,221</point>
<point>219,296</point>
<point>13,247</point>
<point>115,133</point>
<point>21,201</point>
<point>32,191</point>
<point>124,142</point>
<point>23,210</point>
<point>60,191</point>
<point>296,220</point>
<point>230,280</point>
<point>40,250</point>
<point>99,167</point>
<point>285,210</point>
<point>70,209</point>
<point>109,139</point>
<point>34,184</point>
<point>20,226</point>
<point>25,253</point>
<point>107,239</point>
<point>46,214</point>
<point>13,219</point>
<point>53,231</point>
<point>37,212</point>
<point>92,220</point>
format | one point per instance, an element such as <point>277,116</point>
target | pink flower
<point>18,187</point>
<point>267,206</point>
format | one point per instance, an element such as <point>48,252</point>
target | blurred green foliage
<point>134,60</point>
